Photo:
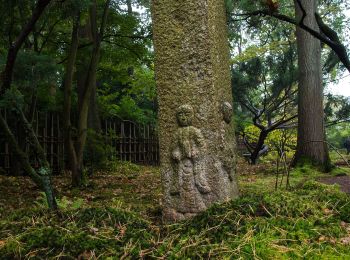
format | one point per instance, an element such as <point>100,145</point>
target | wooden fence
<point>128,141</point>
<point>132,142</point>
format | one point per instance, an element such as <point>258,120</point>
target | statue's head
<point>184,115</point>
<point>226,109</point>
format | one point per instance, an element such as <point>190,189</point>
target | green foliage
<point>63,203</point>
<point>337,108</point>
<point>132,97</point>
<point>12,100</point>
<point>264,56</point>
<point>34,69</point>
<point>99,149</point>
<point>280,140</point>
<point>337,134</point>
<point>37,75</point>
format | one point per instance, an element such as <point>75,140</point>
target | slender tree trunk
<point>311,145</point>
<point>83,115</point>
<point>68,82</point>
<point>90,83</point>
<point>42,178</point>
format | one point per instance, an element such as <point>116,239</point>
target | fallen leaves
<point>327,211</point>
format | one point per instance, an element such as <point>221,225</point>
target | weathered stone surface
<point>194,92</point>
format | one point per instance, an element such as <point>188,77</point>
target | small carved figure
<point>188,180</point>
<point>226,110</point>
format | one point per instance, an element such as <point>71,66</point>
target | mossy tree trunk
<point>195,105</point>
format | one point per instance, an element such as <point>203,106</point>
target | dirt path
<point>343,181</point>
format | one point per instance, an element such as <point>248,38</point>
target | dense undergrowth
<point>310,220</point>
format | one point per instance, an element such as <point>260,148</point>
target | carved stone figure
<point>188,180</point>
<point>226,110</point>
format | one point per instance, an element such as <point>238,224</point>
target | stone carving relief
<point>226,162</point>
<point>226,110</point>
<point>188,182</point>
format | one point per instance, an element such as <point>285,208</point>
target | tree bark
<point>311,145</point>
<point>255,155</point>
<point>90,83</point>
<point>67,85</point>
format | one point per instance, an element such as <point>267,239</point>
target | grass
<point>308,221</point>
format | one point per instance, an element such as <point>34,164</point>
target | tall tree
<point>311,143</point>
<point>76,152</point>
<point>67,103</point>
<point>195,105</point>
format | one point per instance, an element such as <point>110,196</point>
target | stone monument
<point>195,105</point>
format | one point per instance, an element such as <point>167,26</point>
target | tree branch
<point>328,38</point>
<point>15,47</point>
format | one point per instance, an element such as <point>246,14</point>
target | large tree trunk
<point>193,82</point>
<point>311,145</point>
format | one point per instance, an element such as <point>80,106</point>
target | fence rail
<point>129,141</point>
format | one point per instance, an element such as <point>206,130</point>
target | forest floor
<point>118,215</point>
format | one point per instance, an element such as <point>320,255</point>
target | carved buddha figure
<point>188,181</point>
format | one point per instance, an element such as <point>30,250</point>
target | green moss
<point>267,225</point>
<point>102,230</point>
<point>327,166</point>
<point>340,171</point>
<point>308,221</point>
